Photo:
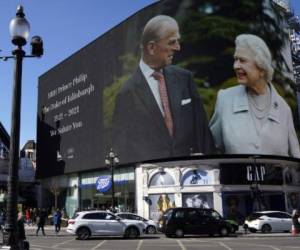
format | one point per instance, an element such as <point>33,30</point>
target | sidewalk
<point>49,231</point>
<point>241,233</point>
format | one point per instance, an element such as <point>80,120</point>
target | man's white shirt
<point>153,84</point>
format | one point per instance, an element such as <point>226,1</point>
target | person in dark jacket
<point>41,220</point>
<point>21,230</point>
<point>57,220</point>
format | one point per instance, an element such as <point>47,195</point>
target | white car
<point>102,223</point>
<point>150,225</point>
<point>269,221</point>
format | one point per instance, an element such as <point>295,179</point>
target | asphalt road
<point>64,241</point>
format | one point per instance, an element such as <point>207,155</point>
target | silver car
<point>150,225</point>
<point>269,221</point>
<point>102,223</point>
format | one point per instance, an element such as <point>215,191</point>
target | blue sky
<point>65,26</point>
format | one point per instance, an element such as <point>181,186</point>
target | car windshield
<point>75,216</point>
<point>167,214</point>
<point>216,215</point>
<point>118,217</point>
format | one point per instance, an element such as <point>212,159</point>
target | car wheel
<point>151,230</point>
<point>224,231</point>
<point>83,233</point>
<point>131,233</point>
<point>179,233</point>
<point>266,228</point>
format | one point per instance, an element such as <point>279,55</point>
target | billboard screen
<point>169,81</point>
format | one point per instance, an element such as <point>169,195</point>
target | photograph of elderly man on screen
<point>158,111</point>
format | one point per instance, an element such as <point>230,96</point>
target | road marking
<point>41,247</point>
<point>62,243</point>
<point>99,245</point>
<point>139,245</point>
<point>181,245</point>
<point>224,245</point>
<point>260,245</point>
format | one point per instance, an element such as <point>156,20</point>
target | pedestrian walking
<point>40,221</point>
<point>57,220</point>
<point>27,216</point>
<point>295,221</point>
<point>21,231</point>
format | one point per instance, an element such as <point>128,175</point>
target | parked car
<point>150,225</point>
<point>102,223</point>
<point>268,221</point>
<point>234,225</point>
<point>180,221</point>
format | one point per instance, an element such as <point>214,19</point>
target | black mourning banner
<point>247,173</point>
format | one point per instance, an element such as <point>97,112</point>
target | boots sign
<point>103,183</point>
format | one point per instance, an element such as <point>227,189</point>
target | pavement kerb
<point>239,233</point>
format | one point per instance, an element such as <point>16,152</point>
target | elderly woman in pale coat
<point>252,118</point>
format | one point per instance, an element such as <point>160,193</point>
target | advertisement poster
<point>159,203</point>
<point>198,200</point>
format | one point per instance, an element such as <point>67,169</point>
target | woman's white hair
<point>260,51</point>
<point>157,27</point>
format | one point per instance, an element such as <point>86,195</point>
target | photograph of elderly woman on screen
<point>252,118</point>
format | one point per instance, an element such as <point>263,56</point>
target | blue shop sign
<point>103,183</point>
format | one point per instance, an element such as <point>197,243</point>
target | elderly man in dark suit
<point>158,112</point>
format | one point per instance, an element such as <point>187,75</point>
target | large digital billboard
<point>170,81</point>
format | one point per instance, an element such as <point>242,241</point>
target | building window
<point>162,179</point>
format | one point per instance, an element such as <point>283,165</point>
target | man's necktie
<point>164,100</point>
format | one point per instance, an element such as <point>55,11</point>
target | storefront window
<point>161,179</point>
<point>199,200</point>
<point>236,206</point>
<point>197,177</point>
<point>159,203</point>
<point>293,201</point>
<point>124,188</point>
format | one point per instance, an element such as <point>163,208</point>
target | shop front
<point>96,190</point>
<point>235,187</point>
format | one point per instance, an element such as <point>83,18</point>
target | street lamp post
<point>19,30</point>
<point>111,160</point>
<point>254,187</point>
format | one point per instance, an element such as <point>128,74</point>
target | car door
<point>194,223</point>
<point>96,222</point>
<point>286,221</point>
<point>275,221</point>
<point>114,225</point>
